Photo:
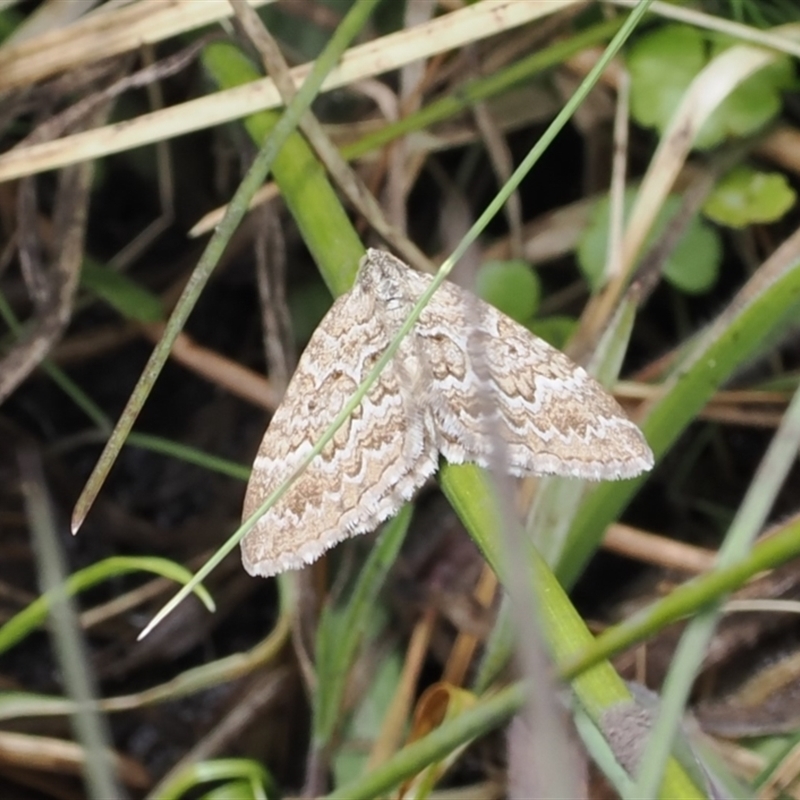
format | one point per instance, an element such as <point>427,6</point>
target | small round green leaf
<point>662,64</point>
<point>511,286</point>
<point>556,330</point>
<point>693,266</point>
<point>746,196</point>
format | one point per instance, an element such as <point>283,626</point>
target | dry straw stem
<point>216,368</point>
<point>104,34</point>
<point>448,32</point>
<point>650,548</point>
<point>57,271</point>
<point>758,408</point>
<point>735,30</point>
<point>705,94</point>
<point>24,751</point>
<point>223,670</point>
<point>348,181</point>
<point>708,90</point>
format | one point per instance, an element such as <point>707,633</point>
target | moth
<point>466,382</point>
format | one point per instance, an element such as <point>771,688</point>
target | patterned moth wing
<point>494,380</point>
<point>464,377</point>
<point>375,462</point>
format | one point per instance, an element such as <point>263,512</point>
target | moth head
<point>383,276</point>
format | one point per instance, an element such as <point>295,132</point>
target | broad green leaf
<point>693,266</point>
<point>511,286</point>
<point>556,330</point>
<point>662,64</point>
<point>747,196</point>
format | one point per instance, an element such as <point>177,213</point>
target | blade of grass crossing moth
<point>279,541</point>
<point>553,416</point>
<point>491,211</point>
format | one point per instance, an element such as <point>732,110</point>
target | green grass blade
<point>598,689</point>
<point>341,630</point>
<point>156,444</point>
<point>685,600</point>
<point>34,615</point>
<point>124,295</point>
<point>487,714</point>
<point>352,23</point>
<point>476,91</point>
<point>750,519</point>
<point>90,728</point>
<point>472,234</point>
<point>757,315</point>
<point>308,193</point>
<point>237,770</point>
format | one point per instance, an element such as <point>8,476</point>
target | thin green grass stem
<point>352,23</point>
<point>472,234</point>
<point>749,521</point>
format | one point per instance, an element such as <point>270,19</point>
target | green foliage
<point>342,628</point>
<point>121,293</point>
<point>556,330</point>
<point>750,106</point>
<point>10,20</point>
<point>34,614</point>
<point>308,304</point>
<point>351,758</point>
<point>663,64</point>
<point>747,196</point>
<point>708,362</point>
<point>242,779</point>
<point>762,13</point>
<point>514,288</point>
<point>693,267</point>
<point>511,286</point>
